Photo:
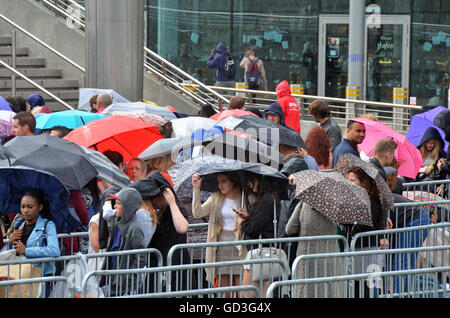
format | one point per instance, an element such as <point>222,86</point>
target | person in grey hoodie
<point>126,234</point>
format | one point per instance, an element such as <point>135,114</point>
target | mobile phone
<point>238,212</point>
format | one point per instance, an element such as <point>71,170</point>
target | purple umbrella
<point>4,105</point>
<point>421,122</point>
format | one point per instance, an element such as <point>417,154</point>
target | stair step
<point>5,40</point>
<point>34,73</point>
<point>22,62</point>
<point>64,94</point>
<point>7,51</point>
<point>46,83</point>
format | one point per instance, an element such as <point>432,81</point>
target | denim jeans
<point>406,261</point>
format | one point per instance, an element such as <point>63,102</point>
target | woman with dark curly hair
<point>318,145</point>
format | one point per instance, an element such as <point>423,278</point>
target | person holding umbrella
<point>379,219</point>
<point>220,208</point>
<point>258,222</point>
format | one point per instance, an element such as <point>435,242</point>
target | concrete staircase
<point>35,68</point>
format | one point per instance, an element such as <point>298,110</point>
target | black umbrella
<point>240,148</point>
<point>244,170</point>
<point>442,120</point>
<point>266,131</point>
<point>5,154</point>
<point>64,159</point>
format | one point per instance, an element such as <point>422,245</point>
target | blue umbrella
<point>15,180</point>
<point>4,105</point>
<point>420,123</point>
<point>68,118</point>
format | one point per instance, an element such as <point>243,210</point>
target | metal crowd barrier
<point>289,245</point>
<point>430,186</point>
<point>375,281</point>
<point>428,275</point>
<point>28,287</point>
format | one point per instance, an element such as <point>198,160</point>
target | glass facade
<point>285,35</point>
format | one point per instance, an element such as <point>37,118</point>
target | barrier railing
<point>306,269</point>
<point>430,289</point>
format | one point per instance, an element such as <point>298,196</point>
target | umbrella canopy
<point>442,119</point>
<point>166,146</point>
<point>68,118</point>
<point>346,161</point>
<point>129,136</point>
<point>6,128</point>
<point>181,173</point>
<point>7,115</point>
<point>142,115</point>
<point>85,95</point>
<point>421,122</point>
<point>424,196</point>
<point>264,130</point>
<point>334,196</point>
<point>231,112</point>
<point>106,169</point>
<point>60,157</point>
<point>184,127</point>
<point>209,177</point>
<point>242,149</point>
<point>407,155</point>
<point>5,154</point>
<point>140,106</point>
<point>15,180</point>
<point>4,105</point>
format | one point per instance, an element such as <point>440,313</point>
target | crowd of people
<point>148,213</point>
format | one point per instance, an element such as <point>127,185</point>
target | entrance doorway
<point>386,55</point>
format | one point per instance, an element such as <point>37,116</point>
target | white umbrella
<point>184,127</point>
<point>85,95</point>
<point>139,106</point>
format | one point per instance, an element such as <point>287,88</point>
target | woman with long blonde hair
<point>431,148</point>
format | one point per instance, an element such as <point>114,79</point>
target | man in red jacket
<point>289,105</point>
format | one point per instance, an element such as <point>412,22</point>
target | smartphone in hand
<point>238,212</point>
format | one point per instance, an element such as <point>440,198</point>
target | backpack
<point>229,67</point>
<point>252,74</point>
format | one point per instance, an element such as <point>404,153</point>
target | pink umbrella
<point>408,156</point>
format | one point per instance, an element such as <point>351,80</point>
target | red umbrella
<point>231,112</point>
<point>129,136</point>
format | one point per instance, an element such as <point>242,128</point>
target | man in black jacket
<point>383,155</point>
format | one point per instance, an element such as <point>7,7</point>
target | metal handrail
<point>64,11</point>
<point>327,99</point>
<point>82,69</point>
<point>35,84</point>
<point>186,75</point>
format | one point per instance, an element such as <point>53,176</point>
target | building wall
<point>284,34</point>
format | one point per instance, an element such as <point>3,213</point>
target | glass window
<point>185,32</point>
<point>284,37</point>
<point>430,50</point>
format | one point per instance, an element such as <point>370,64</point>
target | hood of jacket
<point>276,109</point>
<point>429,134</point>
<point>221,48</point>
<point>35,100</point>
<point>283,89</point>
<point>131,201</point>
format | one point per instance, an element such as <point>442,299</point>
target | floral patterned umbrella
<point>182,172</point>
<point>334,196</point>
<point>346,161</point>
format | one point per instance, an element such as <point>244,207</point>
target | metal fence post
<point>400,96</point>
<point>351,92</point>
<point>13,62</point>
